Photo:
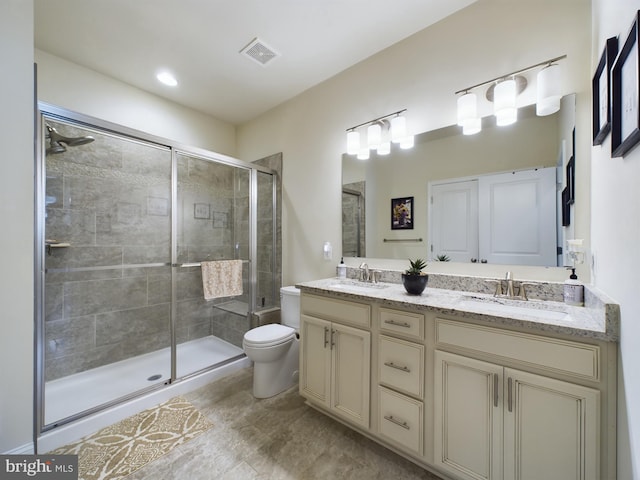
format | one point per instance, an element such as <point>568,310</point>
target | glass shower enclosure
<point>123,221</point>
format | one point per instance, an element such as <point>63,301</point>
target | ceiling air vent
<point>259,52</point>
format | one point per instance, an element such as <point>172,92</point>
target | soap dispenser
<point>342,269</point>
<point>573,292</point>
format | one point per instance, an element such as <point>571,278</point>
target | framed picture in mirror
<point>402,213</point>
<point>625,122</point>
<point>571,180</point>
<point>602,92</point>
<point>566,208</point>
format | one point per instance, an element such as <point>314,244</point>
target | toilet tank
<point>290,307</point>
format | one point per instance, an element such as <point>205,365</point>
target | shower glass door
<point>212,223</point>
<point>107,274</point>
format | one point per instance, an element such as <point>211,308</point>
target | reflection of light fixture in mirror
<point>468,114</point>
<point>504,102</point>
<point>548,90</point>
<point>380,133</point>
<point>353,142</point>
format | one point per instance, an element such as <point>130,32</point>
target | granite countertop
<point>599,319</point>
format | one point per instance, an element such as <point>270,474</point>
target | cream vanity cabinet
<point>463,397</point>
<point>496,422</point>
<point>335,356</point>
<point>401,373</point>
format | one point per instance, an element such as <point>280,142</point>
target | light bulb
<point>548,90</point>
<point>374,135</point>
<point>504,102</point>
<point>398,129</point>
<point>353,142</point>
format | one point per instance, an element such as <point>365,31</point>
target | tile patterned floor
<point>273,439</point>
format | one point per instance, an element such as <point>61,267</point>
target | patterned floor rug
<point>120,449</point>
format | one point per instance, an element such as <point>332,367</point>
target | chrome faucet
<point>509,279</point>
<point>365,274</point>
<point>506,288</point>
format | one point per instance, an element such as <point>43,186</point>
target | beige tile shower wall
<point>110,200</point>
<point>269,251</point>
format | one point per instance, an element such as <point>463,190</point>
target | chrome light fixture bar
<point>381,132</point>
<point>503,91</point>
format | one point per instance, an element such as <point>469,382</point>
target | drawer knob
<point>397,367</point>
<point>397,422</point>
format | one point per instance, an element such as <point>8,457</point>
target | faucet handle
<point>498,284</point>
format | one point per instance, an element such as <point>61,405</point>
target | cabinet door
<point>315,359</point>
<point>350,373</point>
<point>551,429</point>
<point>468,417</point>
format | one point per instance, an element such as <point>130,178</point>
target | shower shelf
<point>234,306</point>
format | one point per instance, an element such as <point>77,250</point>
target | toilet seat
<point>268,335</point>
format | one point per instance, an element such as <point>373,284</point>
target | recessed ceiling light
<point>167,78</point>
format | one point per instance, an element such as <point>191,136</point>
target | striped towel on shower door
<point>221,278</point>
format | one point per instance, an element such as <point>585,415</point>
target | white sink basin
<point>360,287</point>
<point>492,306</point>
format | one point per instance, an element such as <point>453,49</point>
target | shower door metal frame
<point>62,114</point>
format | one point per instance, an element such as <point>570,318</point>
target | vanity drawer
<point>402,323</point>
<point>401,419</point>
<point>559,356</point>
<point>401,365</point>
<point>342,311</point>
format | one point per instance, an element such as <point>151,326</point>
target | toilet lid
<point>268,335</point>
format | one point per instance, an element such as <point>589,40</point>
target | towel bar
<point>402,240</point>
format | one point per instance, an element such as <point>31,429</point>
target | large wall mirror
<point>444,158</point>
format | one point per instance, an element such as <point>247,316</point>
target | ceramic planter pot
<point>414,284</point>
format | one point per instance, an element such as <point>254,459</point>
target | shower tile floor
<point>279,438</point>
<point>79,392</point>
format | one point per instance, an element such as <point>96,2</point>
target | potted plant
<point>413,279</point>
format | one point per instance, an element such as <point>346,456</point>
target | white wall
<point>85,91</point>
<point>16,218</point>
<point>421,73</point>
<point>616,243</point>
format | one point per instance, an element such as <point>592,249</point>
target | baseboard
<point>26,449</point>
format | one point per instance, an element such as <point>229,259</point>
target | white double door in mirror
<point>505,218</point>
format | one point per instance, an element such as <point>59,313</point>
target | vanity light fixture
<point>468,117</point>
<point>504,102</point>
<point>380,133</point>
<point>503,92</point>
<point>374,136</point>
<point>548,90</point>
<point>353,142</point>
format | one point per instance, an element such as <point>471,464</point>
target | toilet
<point>274,348</point>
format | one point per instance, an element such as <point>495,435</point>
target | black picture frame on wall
<point>625,82</point>
<point>602,92</point>
<point>402,213</point>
